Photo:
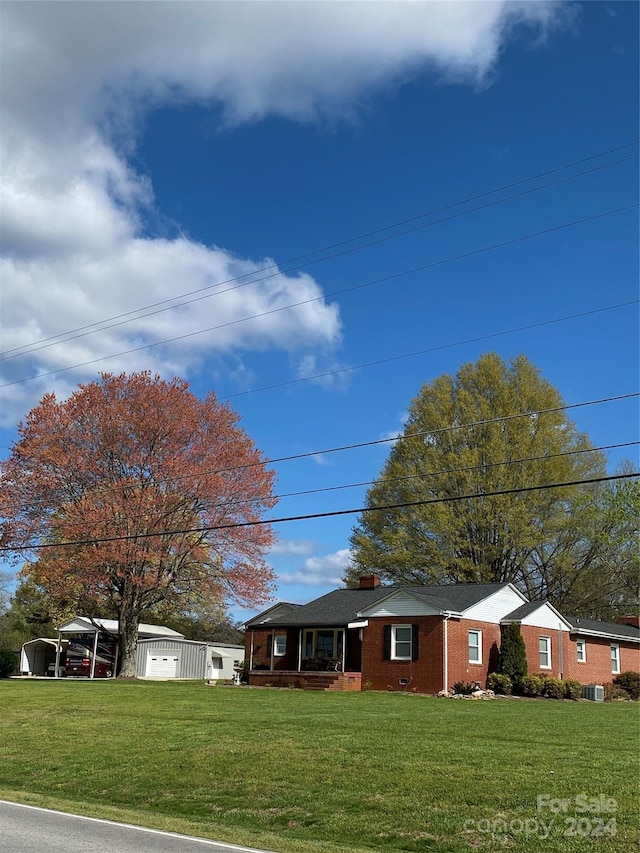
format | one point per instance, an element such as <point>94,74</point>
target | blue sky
<point>150,153</point>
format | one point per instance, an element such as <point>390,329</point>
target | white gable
<point>545,617</point>
<point>496,606</point>
<point>401,603</point>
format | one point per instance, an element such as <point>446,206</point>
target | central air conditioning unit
<point>594,692</point>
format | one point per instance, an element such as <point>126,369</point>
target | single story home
<point>426,638</point>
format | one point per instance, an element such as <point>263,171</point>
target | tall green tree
<point>493,426</point>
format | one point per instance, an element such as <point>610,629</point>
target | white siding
<point>544,617</point>
<point>495,607</point>
<point>401,604</point>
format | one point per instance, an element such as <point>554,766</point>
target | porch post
<point>344,649</point>
<point>115,661</point>
<point>95,652</point>
<point>251,652</point>
<point>56,670</point>
<point>273,642</point>
<point>300,650</point>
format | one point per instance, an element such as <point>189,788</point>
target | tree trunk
<point>127,640</point>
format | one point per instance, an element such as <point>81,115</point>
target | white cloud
<point>320,571</point>
<point>293,547</point>
<point>76,80</point>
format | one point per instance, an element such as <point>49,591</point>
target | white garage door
<point>163,664</point>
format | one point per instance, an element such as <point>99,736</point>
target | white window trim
<point>276,652</point>
<point>615,671</point>
<point>478,633</point>
<point>394,641</point>
<point>548,654</point>
<point>581,651</point>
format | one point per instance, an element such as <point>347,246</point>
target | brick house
<point>425,638</point>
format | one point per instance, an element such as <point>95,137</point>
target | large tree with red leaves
<point>143,495</point>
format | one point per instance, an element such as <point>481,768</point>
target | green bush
<point>464,687</point>
<point>553,688</point>
<point>531,685</point>
<point>8,663</point>
<point>572,689</point>
<point>499,683</point>
<point>512,660</point>
<point>630,683</point>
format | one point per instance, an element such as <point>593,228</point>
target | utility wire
<point>392,358</point>
<point>378,441</point>
<point>236,500</point>
<point>280,269</point>
<point>342,291</point>
<point>331,514</point>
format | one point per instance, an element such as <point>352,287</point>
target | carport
<point>38,657</point>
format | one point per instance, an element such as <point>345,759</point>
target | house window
<point>475,646</point>
<point>615,658</point>
<point>401,642</point>
<point>545,652</point>
<point>280,645</point>
<point>581,650</point>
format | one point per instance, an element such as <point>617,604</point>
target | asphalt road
<point>27,829</point>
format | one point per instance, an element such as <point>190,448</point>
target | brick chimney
<point>626,620</point>
<point>369,581</point>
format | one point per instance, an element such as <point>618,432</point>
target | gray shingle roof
<point>523,611</point>
<point>625,632</point>
<point>342,605</point>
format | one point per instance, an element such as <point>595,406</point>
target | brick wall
<point>425,674</point>
<point>261,647</point>
<point>459,667</point>
<point>597,668</point>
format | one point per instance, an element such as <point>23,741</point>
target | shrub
<point>464,687</point>
<point>531,685</point>
<point>8,663</point>
<point>499,683</point>
<point>553,688</point>
<point>614,691</point>
<point>630,683</point>
<point>572,689</point>
<point>512,660</point>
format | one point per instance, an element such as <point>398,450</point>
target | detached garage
<point>179,658</point>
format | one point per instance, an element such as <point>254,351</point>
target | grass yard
<point>306,772</point>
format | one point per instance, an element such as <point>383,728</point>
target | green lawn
<point>306,772</point>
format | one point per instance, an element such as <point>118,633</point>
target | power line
<point>342,291</point>
<point>331,514</point>
<point>440,347</point>
<point>356,446</point>
<point>235,500</point>
<point>280,269</point>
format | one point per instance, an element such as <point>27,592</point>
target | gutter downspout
<point>560,651</point>
<point>445,653</point>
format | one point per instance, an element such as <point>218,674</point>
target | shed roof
<point>604,629</point>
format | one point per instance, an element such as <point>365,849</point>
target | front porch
<point>306,679</point>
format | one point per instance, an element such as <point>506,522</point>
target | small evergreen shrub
<point>464,687</point>
<point>531,685</point>
<point>553,688</point>
<point>8,663</point>
<point>499,683</point>
<point>572,689</point>
<point>512,660</point>
<point>630,683</point>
